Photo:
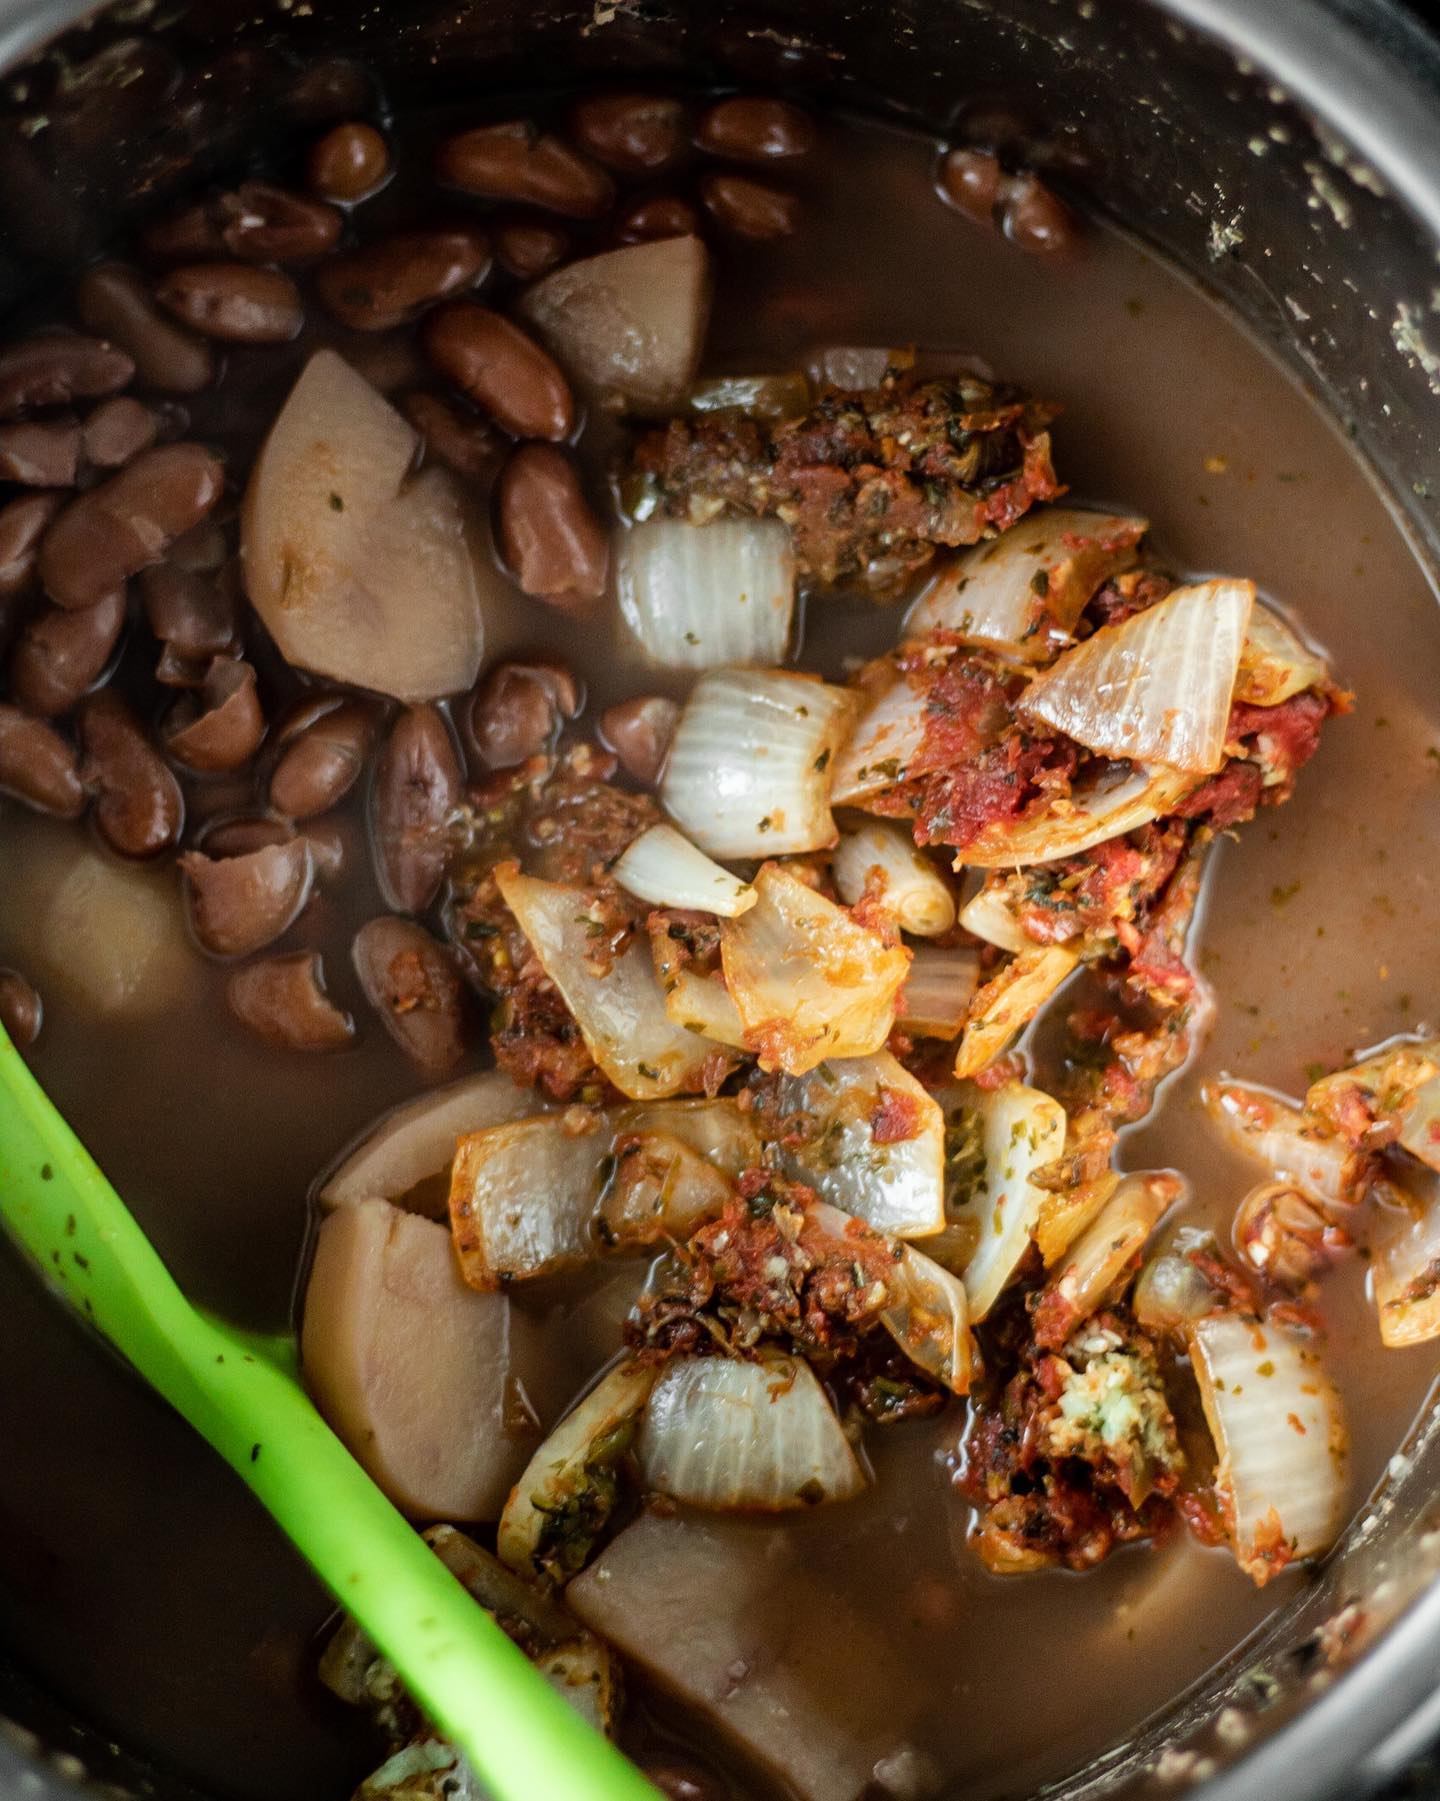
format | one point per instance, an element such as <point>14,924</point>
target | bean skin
<point>513,161</point>
<point>469,445</point>
<point>283,1000</point>
<point>22,525</point>
<point>418,785</point>
<point>223,729</point>
<point>234,302</point>
<point>413,985</point>
<point>751,128</point>
<point>662,216</point>
<point>348,163</point>
<point>256,222</point>
<point>517,709</point>
<point>138,804</point>
<point>116,300</point>
<point>638,134</point>
<point>238,905</point>
<point>496,365</point>
<point>21,1010</point>
<point>117,431</point>
<point>639,732</point>
<point>128,523</point>
<point>391,281</point>
<point>322,759</point>
<point>41,453</point>
<point>751,209</point>
<point>529,247</point>
<point>549,535</point>
<point>192,613</point>
<point>38,766</point>
<point>238,836</point>
<point>58,368</point>
<point>61,654</point>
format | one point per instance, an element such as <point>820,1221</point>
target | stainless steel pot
<point>1284,152</point>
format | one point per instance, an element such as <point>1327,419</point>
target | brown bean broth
<point>135,1573</point>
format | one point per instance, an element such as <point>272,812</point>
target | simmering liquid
<point>137,1579</point>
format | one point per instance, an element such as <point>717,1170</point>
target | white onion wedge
<point>1156,688</point>
<point>416,1142</point>
<point>929,1318</point>
<point>523,1198</point>
<point>882,861</point>
<point>703,1004</point>
<point>1290,1142</point>
<point>784,396</point>
<point>1405,1243</point>
<point>938,990</point>
<point>359,572</point>
<point>1022,593</point>
<point>1009,1001</point>
<point>1170,1292</point>
<point>808,981</point>
<point>620,1012</point>
<point>661,1188</point>
<point>1020,1130</point>
<point>882,742</point>
<point>1274,663</point>
<point>749,768</point>
<point>723,1135</point>
<point>1098,1262</point>
<point>1420,1124</point>
<point>704,596</point>
<point>990,914</point>
<point>756,1437</point>
<point>1107,802</point>
<point>628,324</point>
<point>1280,1433</point>
<point>559,1505</point>
<point>663,867</point>
<point>895,1184</point>
<point>1373,1101</point>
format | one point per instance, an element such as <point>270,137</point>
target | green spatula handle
<point>518,1735</point>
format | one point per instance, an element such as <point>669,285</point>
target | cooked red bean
<point>117,431</point>
<point>750,128</point>
<point>234,302</point>
<point>528,247</point>
<point>127,523</point>
<point>257,222</point>
<point>517,709</point>
<point>334,844</point>
<point>1037,219</point>
<point>202,549</point>
<point>389,282</point>
<point>192,612</point>
<point>240,904</point>
<point>751,209</point>
<point>223,729</point>
<point>464,442</point>
<point>116,300</point>
<point>237,837</point>
<point>57,368</point>
<point>418,784</point>
<point>409,979</point>
<point>21,1011</point>
<point>549,535</point>
<point>493,363</point>
<point>283,1000</point>
<point>38,766</point>
<point>638,134</point>
<point>22,525</point>
<point>60,654</point>
<point>41,453</point>
<point>684,1782</point>
<point>973,182</point>
<point>639,731</point>
<point>322,758</point>
<point>662,216</point>
<point>138,805</point>
<point>514,161</point>
<point>349,162</point>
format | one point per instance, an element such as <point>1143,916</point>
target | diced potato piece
<point>419,1374</point>
<point>112,935</point>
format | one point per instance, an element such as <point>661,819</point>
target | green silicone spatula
<point>242,1394</point>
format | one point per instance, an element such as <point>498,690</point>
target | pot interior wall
<point>1140,117</point>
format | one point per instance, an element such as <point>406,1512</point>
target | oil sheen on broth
<point>135,1577</point>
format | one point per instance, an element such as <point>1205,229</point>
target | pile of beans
<point>118,526</point>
